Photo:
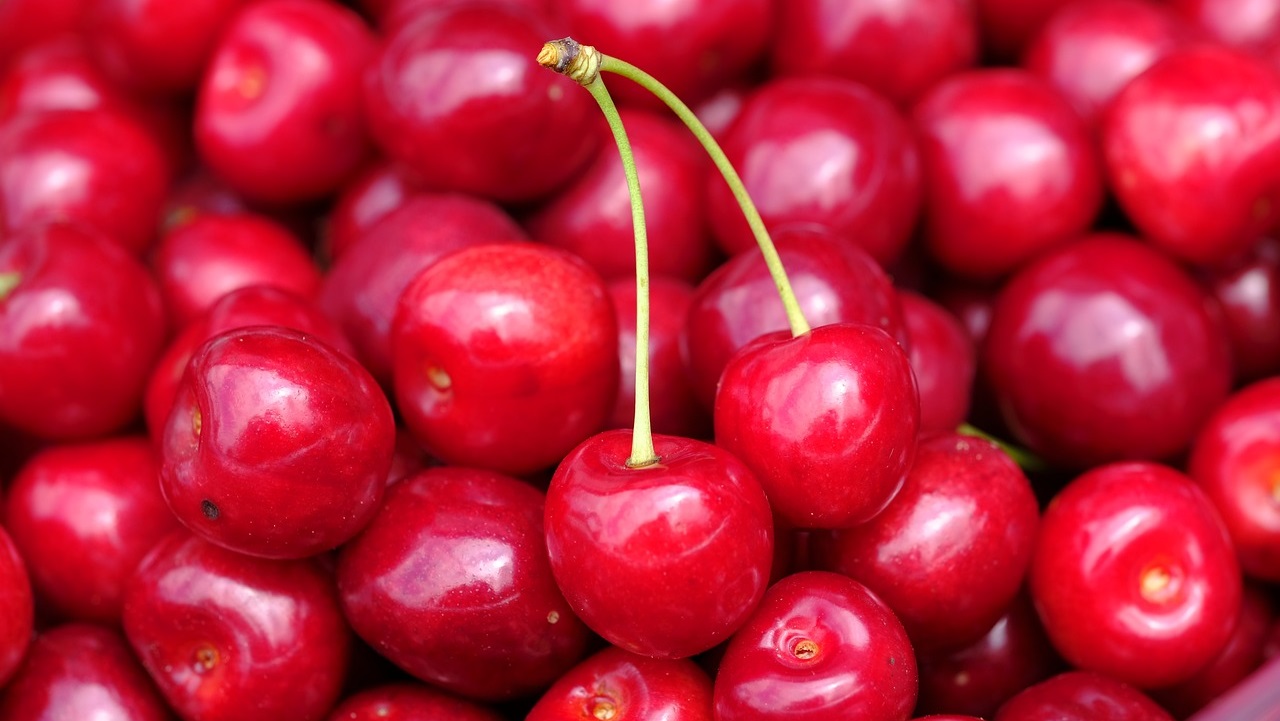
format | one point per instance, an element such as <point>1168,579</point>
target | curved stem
<point>1025,459</point>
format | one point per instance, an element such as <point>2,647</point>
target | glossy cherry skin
<point>1221,109</point>
<point>216,657</point>
<point>825,151</point>
<point>1134,575</point>
<point>408,702</point>
<point>24,23</point>
<point>665,560</point>
<point>17,608</point>
<point>491,122</point>
<point>952,548</point>
<point>451,581</point>
<point>1081,696</point>
<point>1248,293</point>
<point>834,281</point>
<point>79,330</point>
<point>82,671</point>
<point>897,49</point>
<point>1091,49</point>
<point>944,359</point>
<point>621,686</point>
<point>198,261</point>
<point>98,167</point>
<point>1246,24</point>
<point>361,289</point>
<point>379,188</point>
<point>278,113</point>
<point>506,356</point>
<point>278,445</point>
<point>84,515</point>
<point>820,646</point>
<point>1105,350</point>
<point>1235,459</point>
<point>591,216</point>
<point>827,420</point>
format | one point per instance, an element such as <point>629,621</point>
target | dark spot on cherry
<point>209,509</point>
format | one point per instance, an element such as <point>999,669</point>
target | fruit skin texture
<point>820,646</point>
<point>408,702</point>
<point>826,420</point>
<point>451,582</point>
<point>505,356</point>
<point>1134,575</point>
<point>277,444</point>
<point>1105,350</point>
<point>1081,696</point>
<point>665,560</point>
<point>622,686</point>
<point>229,637</point>
<point>17,608</point>
<point>944,359</point>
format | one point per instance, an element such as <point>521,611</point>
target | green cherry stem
<point>8,281</point>
<point>642,450</point>
<point>1025,459</point>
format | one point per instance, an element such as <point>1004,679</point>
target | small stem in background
<point>8,281</point>
<point>1025,459</point>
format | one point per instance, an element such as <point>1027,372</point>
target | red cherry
<point>408,702</point>
<point>506,356</point>
<point>1248,292</point>
<point>451,582</point>
<point>217,657</point>
<point>827,420</point>
<point>1081,696</point>
<point>1249,24</point>
<point>820,646</point>
<point>25,23</point>
<point>621,686</point>
<point>944,359</point>
<point>278,445</point>
<point>664,560</point>
<point>17,609</point>
<point>1134,575</point>
<point>363,201</point>
<point>1006,27</point>
<point>822,151</point>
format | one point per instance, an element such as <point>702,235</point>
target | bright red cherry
<point>820,646</point>
<point>1134,575</point>
<point>1248,24</point>
<point>409,702</point>
<point>1081,696</point>
<point>827,420</point>
<point>365,199</point>
<point>1248,292</point>
<point>451,582</point>
<point>506,356</point>
<point>24,23</point>
<point>17,608</point>
<point>944,359</point>
<point>664,560</point>
<point>278,445</point>
<point>620,686</point>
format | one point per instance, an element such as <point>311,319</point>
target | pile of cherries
<point>318,331</point>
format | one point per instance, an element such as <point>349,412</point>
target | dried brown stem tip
<point>580,63</point>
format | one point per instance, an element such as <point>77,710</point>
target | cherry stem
<point>554,56</point>
<point>8,281</point>
<point>1025,459</point>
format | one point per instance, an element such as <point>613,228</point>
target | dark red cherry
<point>489,121</point>
<point>84,515</point>
<point>506,356</point>
<point>229,637</point>
<point>823,151</point>
<point>1081,696</point>
<point>278,445</point>
<point>1134,574</point>
<point>391,14</point>
<point>622,686</point>
<point>1210,201</point>
<point>952,548</point>
<point>81,671</point>
<point>1248,293</point>
<point>664,560</point>
<point>451,582</point>
<point>408,702</point>
<point>820,646</point>
<point>1236,461</point>
<point>365,199</point>
<point>1105,350</point>
<point>944,359</point>
<point>591,216</point>
<point>278,112</point>
<point>827,420</point>
<point>82,322</point>
<point>897,49</point>
<point>17,608</point>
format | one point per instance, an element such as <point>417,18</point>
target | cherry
<point>897,49</point>
<point>824,151</point>
<point>506,356</point>
<point>25,23</point>
<point>1134,575</point>
<point>278,112</point>
<point>487,120</point>
<point>827,420</point>
<point>17,608</point>
<point>666,559</point>
<point>1006,27</point>
<point>365,199</point>
<point>944,359</point>
<point>198,261</point>
<point>1105,350</point>
<point>1211,200</point>
<point>1081,696</point>
<point>1249,24</point>
<point>1248,292</point>
<point>231,637</point>
<point>408,702</point>
<point>620,686</point>
<point>82,322</point>
<point>1010,171</point>
<point>81,671</point>
<point>820,646</point>
<point>84,515</point>
<point>451,582</point>
<point>1235,459</point>
<point>278,445</point>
